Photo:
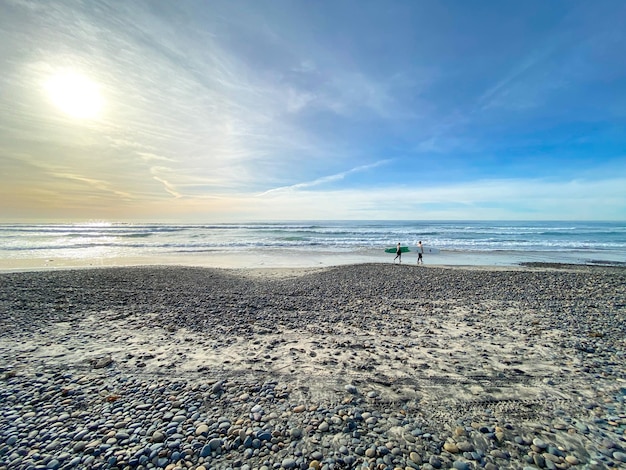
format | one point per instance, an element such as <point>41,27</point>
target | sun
<point>75,95</point>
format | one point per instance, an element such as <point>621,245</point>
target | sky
<point>219,111</point>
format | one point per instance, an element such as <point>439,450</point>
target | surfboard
<point>429,250</point>
<point>403,249</point>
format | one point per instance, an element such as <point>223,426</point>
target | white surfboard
<point>428,250</point>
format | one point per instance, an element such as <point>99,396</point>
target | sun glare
<point>75,95</point>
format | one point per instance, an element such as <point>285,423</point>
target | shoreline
<point>346,366</point>
<point>296,259</point>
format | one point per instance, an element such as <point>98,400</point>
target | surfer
<point>398,254</point>
<point>420,251</point>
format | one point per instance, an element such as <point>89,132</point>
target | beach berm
<point>374,366</point>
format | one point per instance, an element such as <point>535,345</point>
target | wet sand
<point>354,366</point>
<point>300,258</point>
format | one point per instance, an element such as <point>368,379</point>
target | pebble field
<point>369,366</point>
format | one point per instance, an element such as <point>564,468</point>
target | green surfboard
<point>403,249</point>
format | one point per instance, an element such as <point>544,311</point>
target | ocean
<point>473,243</point>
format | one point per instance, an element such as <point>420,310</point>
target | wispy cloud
<point>499,94</point>
<point>149,157</point>
<point>168,187</point>
<point>99,185</point>
<point>326,179</point>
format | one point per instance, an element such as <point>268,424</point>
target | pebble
<point>619,456</point>
<point>202,430</point>
<point>451,447</point>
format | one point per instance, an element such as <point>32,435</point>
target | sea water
<point>481,243</point>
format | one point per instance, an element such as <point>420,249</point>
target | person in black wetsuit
<point>398,254</point>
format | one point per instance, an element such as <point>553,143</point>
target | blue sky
<point>272,110</point>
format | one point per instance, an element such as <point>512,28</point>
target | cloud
<point>499,94</point>
<point>148,157</point>
<point>326,179</point>
<point>297,100</point>
<point>100,185</point>
<point>536,199</point>
<point>168,187</point>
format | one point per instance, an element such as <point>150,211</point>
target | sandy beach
<point>354,366</point>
